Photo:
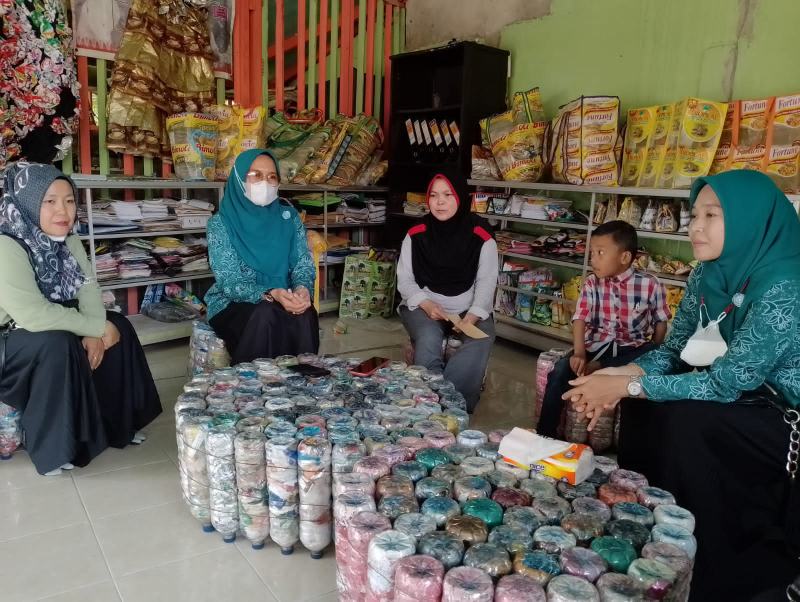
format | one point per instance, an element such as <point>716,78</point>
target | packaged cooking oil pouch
<point>526,107</point>
<point>754,120</point>
<point>193,140</point>
<point>656,147</point>
<point>782,164</point>
<point>728,139</point>
<point>786,121</point>
<point>638,133</point>
<point>701,128</point>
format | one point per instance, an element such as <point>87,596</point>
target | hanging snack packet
<point>666,221</point>
<point>630,212</point>
<point>649,217</point>
<point>666,168</point>
<point>193,140</point>
<point>600,212</point>
<point>495,127</point>
<point>641,123</point>
<point>686,217</point>
<point>484,166</point>
<point>612,212</point>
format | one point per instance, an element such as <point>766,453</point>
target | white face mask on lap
<point>262,193</point>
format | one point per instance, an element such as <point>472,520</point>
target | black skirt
<point>265,329</point>
<point>726,463</point>
<point>69,413</point>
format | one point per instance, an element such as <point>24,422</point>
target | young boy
<point>621,314</point>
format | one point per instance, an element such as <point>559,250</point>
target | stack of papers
<point>357,210</point>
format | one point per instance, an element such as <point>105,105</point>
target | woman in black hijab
<point>448,267</point>
<point>76,373</point>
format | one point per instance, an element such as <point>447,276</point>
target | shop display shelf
<point>676,193</point>
<point>152,331</point>
<point>536,222</point>
<point>138,234</point>
<point>118,283</point>
<point>531,293</point>
<point>144,183</point>
<point>342,225</point>
<point>546,260</point>
<point>551,332</point>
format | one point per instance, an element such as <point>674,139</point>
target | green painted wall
<point>654,51</point>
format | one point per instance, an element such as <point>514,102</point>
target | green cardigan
<point>22,301</point>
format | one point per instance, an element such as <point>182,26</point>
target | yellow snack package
<point>193,141</point>
<point>518,154</point>
<point>786,121</point>
<point>656,147</point>
<point>728,139</point>
<point>641,123</point>
<point>701,129</point>
<point>496,127</point>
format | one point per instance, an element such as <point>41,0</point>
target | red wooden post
<point>322,68</point>
<point>279,56</point>
<point>85,122</point>
<point>387,78</point>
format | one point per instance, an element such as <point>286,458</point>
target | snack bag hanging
<point>666,222</point>
<point>649,217</point>
<point>227,139</point>
<point>630,212</point>
<point>782,161</point>
<point>666,167</point>
<point>612,211</point>
<point>516,138</point>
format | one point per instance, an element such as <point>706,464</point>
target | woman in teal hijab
<point>709,415</point>
<point>260,303</point>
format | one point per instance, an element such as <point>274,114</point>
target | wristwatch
<point>268,296</point>
<point>635,386</point>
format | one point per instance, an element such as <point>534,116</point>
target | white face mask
<point>262,193</point>
<point>706,344</point>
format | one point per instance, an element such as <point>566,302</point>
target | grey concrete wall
<point>433,22</point>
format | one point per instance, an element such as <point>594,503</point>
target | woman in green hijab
<point>724,391</point>
<point>260,303</point>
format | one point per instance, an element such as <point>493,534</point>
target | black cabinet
<point>440,95</point>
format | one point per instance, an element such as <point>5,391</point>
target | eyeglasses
<point>261,176</point>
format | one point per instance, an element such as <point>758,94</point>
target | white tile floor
<point>118,530</point>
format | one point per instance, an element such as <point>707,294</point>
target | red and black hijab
<point>445,254</point>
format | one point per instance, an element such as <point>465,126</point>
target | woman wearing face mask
<point>76,373</point>
<point>732,360</point>
<point>448,266</point>
<point>260,303</point>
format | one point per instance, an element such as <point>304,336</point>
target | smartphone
<point>309,370</point>
<point>369,367</point>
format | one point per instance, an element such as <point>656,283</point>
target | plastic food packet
<point>193,140</point>
<point>726,140</point>
<point>657,146</point>
<point>641,123</point>
<point>484,166</point>
<point>782,164</point>
<point>630,212</point>
<point>495,127</point>
<point>612,211</point>
<point>666,221</point>
<point>600,212</point>
<point>373,171</point>
<point>649,217</point>
<point>782,160</point>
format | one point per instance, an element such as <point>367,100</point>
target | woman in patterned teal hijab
<point>710,419</point>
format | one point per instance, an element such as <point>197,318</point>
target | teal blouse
<point>236,282</point>
<point>766,349</point>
